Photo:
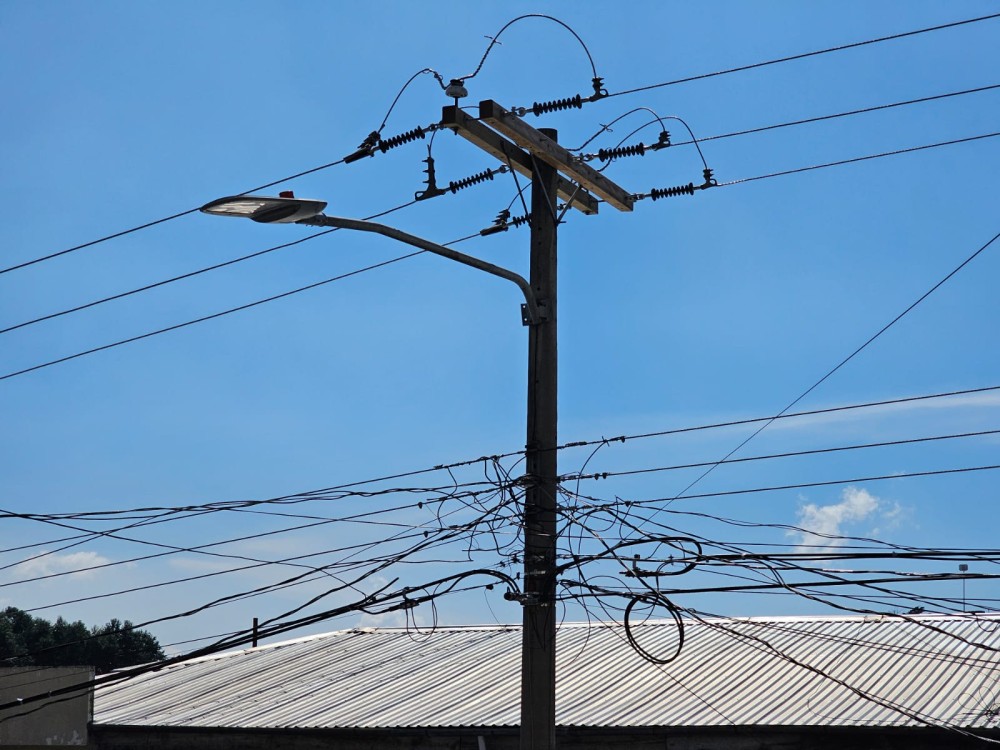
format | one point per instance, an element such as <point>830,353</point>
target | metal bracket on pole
<point>478,134</point>
<point>532,312</point>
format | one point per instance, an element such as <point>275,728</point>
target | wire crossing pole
<point>538,654</point>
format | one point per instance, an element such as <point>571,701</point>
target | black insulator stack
<point>519,220</point>
<point>607,154</point>
<point>540,108</point>
<point>399,140</point>
<point>475,179</point>
<point>657,193</point>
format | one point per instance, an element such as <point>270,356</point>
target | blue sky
<point>720,306</point>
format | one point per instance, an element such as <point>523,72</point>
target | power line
<point>844,361</point>
<point>806,485</point>
<point>860,158</point>
<point>782,415</point>
<point>189,275</point>
<point>790,454</point>
<point>231,310</point>
<point>849,113</point>
<point>165,219</point>
<point>804,55</point>
<point>205,318</point>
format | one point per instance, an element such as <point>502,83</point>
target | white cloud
<point>47,563</point>
<point>973,403</point>
<point>821,524</point>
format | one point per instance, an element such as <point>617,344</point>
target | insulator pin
<point>671,192</point>
<point>607,154</point>
<point>599,91</point>
<point>662,142</point>
<point>399,140</point>
<point>540,108</point>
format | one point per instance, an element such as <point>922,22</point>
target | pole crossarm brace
<point>532,314</point>
<point>513,127</point>
<point>508,153</point>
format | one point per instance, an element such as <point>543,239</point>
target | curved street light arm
<point>532,315</point>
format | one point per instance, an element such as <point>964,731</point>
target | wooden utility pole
<point>538,652</point>
<point>536,154</point>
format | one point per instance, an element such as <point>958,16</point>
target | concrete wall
<point>62,720</point>
<point>567,738</point>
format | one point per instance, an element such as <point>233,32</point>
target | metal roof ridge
<point>367,630</point>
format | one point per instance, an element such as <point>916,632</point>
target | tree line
<point>27,641</point>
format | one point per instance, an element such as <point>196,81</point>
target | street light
<point>287,209</point>
<point>540,526</point>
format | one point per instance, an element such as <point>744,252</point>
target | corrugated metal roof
<point>831,671</point>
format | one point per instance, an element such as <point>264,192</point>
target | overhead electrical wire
<point>792,123</point>
<point>788,454</point>
<point>188,275</point>
<point>606,128</point>
<point>897,152</point>
<point>838,115</point>
<point>410,255</point>
<point>213,316</point>
<point>782,415</point>
<point>165,219</point>
<point>493,42</point>
<point>804,55</point>
<point>843,362</point>
<point>325,494</point>
<point>804,485</point>
<point>404,598</point>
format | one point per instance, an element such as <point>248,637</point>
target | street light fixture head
<point>265,209</point>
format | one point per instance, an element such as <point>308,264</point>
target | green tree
<point>33,641</point>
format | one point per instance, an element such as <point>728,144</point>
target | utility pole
<point>538,652</point>
<point>555,175</point>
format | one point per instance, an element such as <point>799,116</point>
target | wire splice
<point>432,190</point>
<point>399,140</point>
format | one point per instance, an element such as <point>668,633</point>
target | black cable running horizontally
<point>165,219</point>
<point>184,276</point>
<point>849,113</point>
<point>857,159</point>
<point>231,310</point>
<point>804,55</point>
